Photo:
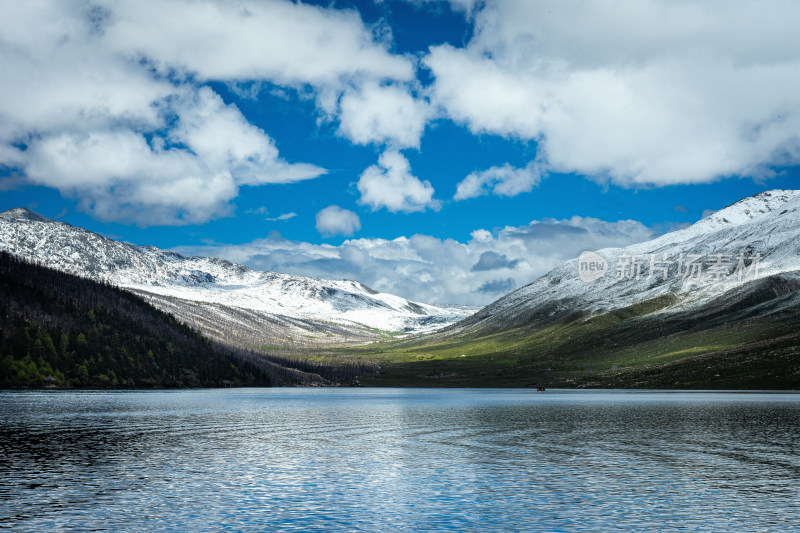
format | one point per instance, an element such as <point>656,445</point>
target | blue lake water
<point>399,459</point>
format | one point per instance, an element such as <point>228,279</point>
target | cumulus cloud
<point>655,92</point>
<point>333,220</point>
<point>284,42</point>
<point>104,101</point>
<point>429,269</point>
<point>390,184</point>
<point>502,181</point>
<point>384,115</point>
<point>189,175</point>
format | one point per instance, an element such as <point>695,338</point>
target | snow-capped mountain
<point>753,239</point>
<point>163,275</point>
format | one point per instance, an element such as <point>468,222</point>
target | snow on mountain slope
<point>202,279</point>
<point>763,231</point>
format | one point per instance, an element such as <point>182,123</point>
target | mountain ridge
<point>653,325</point>
<point>671,329</point>
<point>65,331</point>
<point>734,230</point>
<point>211,280</point>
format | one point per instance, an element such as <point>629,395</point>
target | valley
<point>658,326</point>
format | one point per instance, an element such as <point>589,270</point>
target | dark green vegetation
<point>64,331</point>
<point>748,339</point>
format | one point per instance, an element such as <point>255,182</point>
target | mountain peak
<point>753,206</point>
<point>762,226</point>
<point>174,280</point>
<point>23,213</point>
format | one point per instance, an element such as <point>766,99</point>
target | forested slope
<point>61,330</point>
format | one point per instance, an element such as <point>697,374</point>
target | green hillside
<point>748,341</point>
<point>64,331</point>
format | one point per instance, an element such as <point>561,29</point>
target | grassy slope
<point>632,347</point>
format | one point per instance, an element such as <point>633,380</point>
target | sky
<point>445,151</point>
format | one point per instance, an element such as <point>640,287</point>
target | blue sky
<point>398,142</point>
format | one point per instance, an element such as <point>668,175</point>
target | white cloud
<point>287,43</point>
<point>654,92</point>
<point>58,72</point>
<point>344,61</point>
<point>390,184</point>
<point>282,217</point>
<point>333,220</point>
<point>383,115</point>
<point>118,175</point>
<point>106,97</point>
<point>429,269</point>
<point>503,181</point>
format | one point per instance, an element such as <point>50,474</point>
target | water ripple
<point>397,459</point>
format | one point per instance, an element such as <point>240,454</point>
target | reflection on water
<point>389,459</point>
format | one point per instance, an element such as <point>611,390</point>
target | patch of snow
<point>765,225</point>
<point>203,279</point>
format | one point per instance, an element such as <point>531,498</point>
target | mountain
<point>713,305</point>
<point>764,228</point>
<point>61,330</point>
<point>225,300</point>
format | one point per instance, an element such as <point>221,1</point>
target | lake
<point>399,459</point>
